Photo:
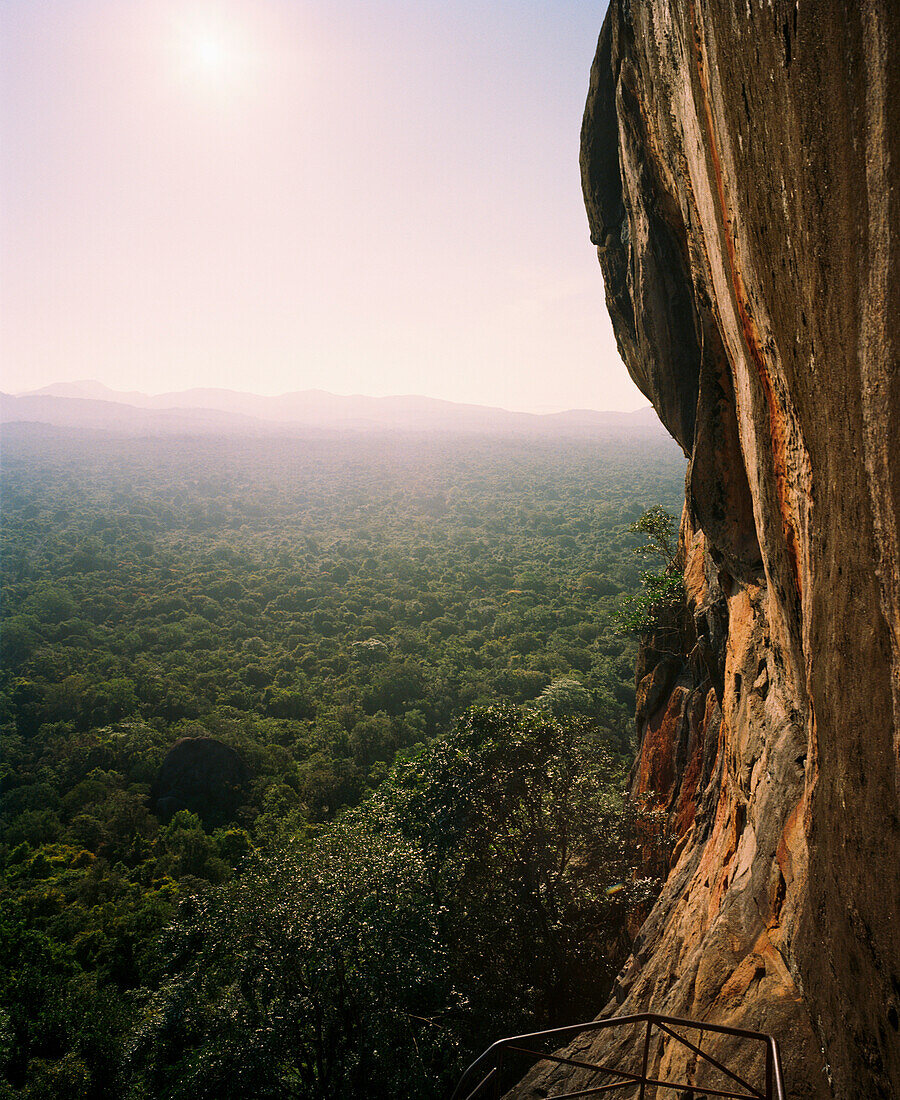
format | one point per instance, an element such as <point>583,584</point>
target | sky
<point>361,196</point>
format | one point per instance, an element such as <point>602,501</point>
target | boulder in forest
<point>202,775</point>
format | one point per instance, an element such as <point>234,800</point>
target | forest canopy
<point>385,630</point>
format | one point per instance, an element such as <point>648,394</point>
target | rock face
<point>739,165</point>
<point>202,775</point>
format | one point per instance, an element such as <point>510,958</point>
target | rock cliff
<point>739,166</point>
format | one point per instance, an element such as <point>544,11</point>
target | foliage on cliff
<point>661,589</point>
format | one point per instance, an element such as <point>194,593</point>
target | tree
<point>520,818</point>
<point>566,696</point>
<point>662,590</point>
<point>658,526</point>
<point>308,978</point>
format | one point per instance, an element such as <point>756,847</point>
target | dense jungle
<point>416,649</point>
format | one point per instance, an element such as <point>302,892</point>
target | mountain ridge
<point>92,404</point>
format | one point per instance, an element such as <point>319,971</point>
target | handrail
<point>488,1068</point>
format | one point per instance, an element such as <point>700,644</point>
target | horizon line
<point>546,411</point>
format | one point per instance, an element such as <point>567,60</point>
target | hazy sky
<point>373,196</point>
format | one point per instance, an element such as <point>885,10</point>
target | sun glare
<point>212,53</point>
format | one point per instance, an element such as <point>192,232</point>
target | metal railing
<point>485,1077</point>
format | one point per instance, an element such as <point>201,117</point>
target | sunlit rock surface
<point>740,169</point>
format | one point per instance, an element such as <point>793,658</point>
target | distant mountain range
<point>216,411</point>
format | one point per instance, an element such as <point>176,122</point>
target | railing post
<point>645,1061</point>
<point>770,1073</point>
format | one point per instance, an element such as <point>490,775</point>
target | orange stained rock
<point>656,774</point>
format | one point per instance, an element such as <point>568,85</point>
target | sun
<point>211,52</point>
